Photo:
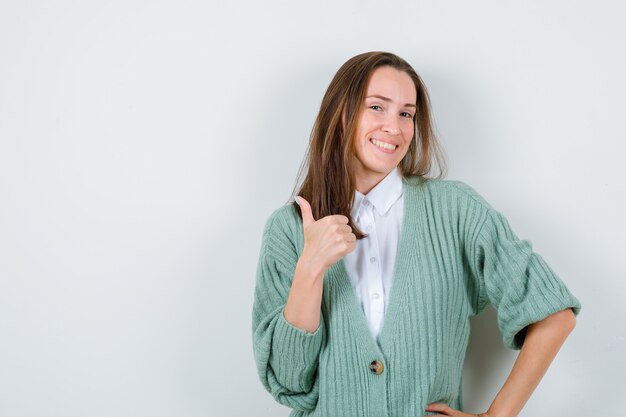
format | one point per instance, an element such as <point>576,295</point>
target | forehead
<point>392,83</point>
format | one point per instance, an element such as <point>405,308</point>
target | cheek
<point>367,124</point>
<point>409,130</point>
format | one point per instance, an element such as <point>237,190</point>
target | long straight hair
<point>330,182</point>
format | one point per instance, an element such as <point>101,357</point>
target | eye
<point>407,115</point>
<point>376,107</point>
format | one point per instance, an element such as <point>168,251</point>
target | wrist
<point>310,268</point>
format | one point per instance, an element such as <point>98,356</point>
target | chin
<point>386,168</point>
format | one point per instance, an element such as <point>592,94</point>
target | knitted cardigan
<point>456,254</point>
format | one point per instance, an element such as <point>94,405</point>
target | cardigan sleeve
<point>516,280</point>
<point>286,356</point>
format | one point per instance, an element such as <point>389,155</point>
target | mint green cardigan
<point>456,254</point>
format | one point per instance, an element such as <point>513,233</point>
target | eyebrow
<point>388,99</point>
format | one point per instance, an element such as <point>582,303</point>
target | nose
<point>391,125</point>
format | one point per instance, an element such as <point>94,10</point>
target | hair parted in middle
<point>330,181</point>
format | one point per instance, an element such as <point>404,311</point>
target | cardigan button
<point>377,367</point>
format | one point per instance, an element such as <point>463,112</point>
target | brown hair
<point>330,181</point>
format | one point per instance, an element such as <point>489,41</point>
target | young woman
<point>366,282</point>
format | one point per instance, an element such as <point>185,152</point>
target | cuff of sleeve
<point>513,325</point>
<point>295,353</point>
<point>301,345</point>
<point>286,323</point>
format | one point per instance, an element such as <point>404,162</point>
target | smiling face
<point>385,126</point>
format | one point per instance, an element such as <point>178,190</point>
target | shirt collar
<point>382,196</point>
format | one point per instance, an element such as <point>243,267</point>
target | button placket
<point>377,304</point>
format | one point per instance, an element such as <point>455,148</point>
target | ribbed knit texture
<point>456,254</point>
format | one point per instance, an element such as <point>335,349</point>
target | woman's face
<point>385,126</point>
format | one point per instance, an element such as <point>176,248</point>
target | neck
<point>364,184</point>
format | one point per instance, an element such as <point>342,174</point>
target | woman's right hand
<point>326,240</point>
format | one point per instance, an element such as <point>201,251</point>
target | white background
<point>143,144</point>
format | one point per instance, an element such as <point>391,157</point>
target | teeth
<point>383,144</point>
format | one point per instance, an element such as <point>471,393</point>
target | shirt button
<point>377,367</point>
<point>375,296</point>
<point>368,227</point>
<point>372,259</point>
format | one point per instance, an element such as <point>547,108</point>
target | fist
<point>326,240</point>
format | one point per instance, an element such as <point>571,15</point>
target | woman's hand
<point>326,240</point>
<point>445,410</point>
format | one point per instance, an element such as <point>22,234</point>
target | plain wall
<point>143,144</point>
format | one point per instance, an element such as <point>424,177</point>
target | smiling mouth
<point>383,145</point>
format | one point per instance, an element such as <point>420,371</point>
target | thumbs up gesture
<point>326,240</point>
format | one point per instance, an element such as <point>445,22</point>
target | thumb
<point>307,213</point>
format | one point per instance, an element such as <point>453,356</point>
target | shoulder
<point>282,234</point>
<point>281,218</point>
<point>451,191</point>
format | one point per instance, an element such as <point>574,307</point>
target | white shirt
<point>371,265</point>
